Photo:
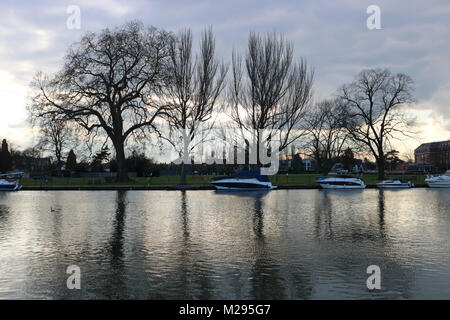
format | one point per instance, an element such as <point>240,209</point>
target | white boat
<point>246,180</point>
<point>394,184</point>
<point>6,185</point>
<point>439,181</point>
<point>341,182</point>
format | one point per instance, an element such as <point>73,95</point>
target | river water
<point>282,244</point>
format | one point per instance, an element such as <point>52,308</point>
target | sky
<point>332,35</point>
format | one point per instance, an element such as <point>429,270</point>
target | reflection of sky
<point>332,35</point>
<point>205,244</point>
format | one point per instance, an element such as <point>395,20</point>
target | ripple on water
<point>285,244</point>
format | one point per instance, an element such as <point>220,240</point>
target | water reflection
<point>381,213</point>
<point>185,217</point>
<point>190,276</point>
<point>250,194</point>
<point>4,217</point>
<point>285,244</point>
<point>265,278</point>
<point>258,217</point>
<point>117,237</point>
<point>116,282</point>
<point>323,213</point>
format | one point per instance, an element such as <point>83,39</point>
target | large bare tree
<point>193,92</point>
<point>372,111</point>
<point>109,85</point>
<point>269,91</point>
<point>326,136</point>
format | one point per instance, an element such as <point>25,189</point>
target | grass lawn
<point>280,179</point>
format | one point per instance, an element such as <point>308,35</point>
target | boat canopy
<point>250,174</point>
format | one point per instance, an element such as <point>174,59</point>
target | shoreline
<point>167,188</point>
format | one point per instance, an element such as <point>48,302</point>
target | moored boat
<point>341,182</point>
<point>394,184</point>
<point>442,181</point>
<point>245,180</point>
<point>6,185</point>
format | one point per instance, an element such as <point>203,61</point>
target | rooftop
<point>433,147</point>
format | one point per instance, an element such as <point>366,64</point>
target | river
<point>282,244</point>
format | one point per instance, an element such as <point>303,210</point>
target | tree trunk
<point>122,170</point>
<point>380,164</point>
<point>258,140</point>
<point>58,168</point>
<point>183,173</point>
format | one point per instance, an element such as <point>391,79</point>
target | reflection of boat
<point>341,182</point>
<point>9,186</point>
<point>394,183</point>
<point>439,181</point>
<point>245,180</point>
<point>182,187</point>
<point>251,194</point>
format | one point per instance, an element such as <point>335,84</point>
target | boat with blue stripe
<point>245,180</point>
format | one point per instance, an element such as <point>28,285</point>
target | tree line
<point>122,85</point>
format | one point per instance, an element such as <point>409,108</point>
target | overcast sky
<point>332,35</point>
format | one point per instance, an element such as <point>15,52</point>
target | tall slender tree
<point>269,91</point>
<point>193,92</point>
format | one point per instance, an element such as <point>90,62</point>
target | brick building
<point>435,155</point>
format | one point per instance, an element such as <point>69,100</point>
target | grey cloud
<point>332,35</point>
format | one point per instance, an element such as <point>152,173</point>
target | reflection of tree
<point>185,217</point>
<point>192,279</point>
<point>116,247</point>
<point>272,277</point>
<point>360,239</point>
<point>323,212</point>
<point>4,215</point>
<point>258,218</point>
<point>381,212</point>
<point>118,228</point>
<point>266,281</point>
<point>184,263</point>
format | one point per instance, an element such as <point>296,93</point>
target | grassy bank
<point>279,180</point>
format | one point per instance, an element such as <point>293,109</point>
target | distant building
<point>309,165</point>
<point>434,155</point>
<point>285,165</point>
<point>358,168</point>
<point>338,168</point>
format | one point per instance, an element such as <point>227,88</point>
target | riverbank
<point>168,188</point>
<point>199,182</point>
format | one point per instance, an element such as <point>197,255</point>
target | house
<point>309,165</point>
<point>287,163</point>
